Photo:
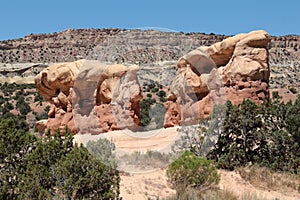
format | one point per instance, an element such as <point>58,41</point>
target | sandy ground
<point>153,184</point>
<point>149,185</point>
<point>128,141</point>
<point>232,181</point>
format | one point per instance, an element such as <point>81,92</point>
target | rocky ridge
<point>142,47</point>
<point>74,44</point>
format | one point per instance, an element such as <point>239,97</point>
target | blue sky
<point>19,17</point>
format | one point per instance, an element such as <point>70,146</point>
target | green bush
<point>162,99</point>
<point>38,97</point>
<point>151,85</point>
<point>267,135</point>
<point>145,106</point>
<point>161,93</point>
<point>22,105</point>
<point>51,167</point>
<point>293,90</point>
<point>190,171</point>
<point>154,90</point>
<point>81,176</point>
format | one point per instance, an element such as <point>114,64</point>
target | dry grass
<point>264,178</point>
<point>221,194</point>
<point>150,159</point>
<point>192,194</point>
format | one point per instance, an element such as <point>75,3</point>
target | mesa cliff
<point>142,47</point>
<point>71,45</point>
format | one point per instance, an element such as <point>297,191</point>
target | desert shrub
<point>103,150</point>
<point>81,176</point>
<point>293,90</point>
<point>8,105</point>
<point>22,105</point>
<point>145,106</point>
<point>38,98</point>
<point>190,139</point>
<point>191,171</point>
<point>151,85</point>
<point>154,90</point>
<point>162,99</point>
<point>161,93</point>
<point>3,100</point>
<point>146,160</point>
<point>201,139</point>
<point>51,167</point>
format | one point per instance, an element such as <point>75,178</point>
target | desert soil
<point>153,184</point>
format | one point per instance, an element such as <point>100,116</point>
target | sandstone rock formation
<point>234,69</point>
<point>90,95</point>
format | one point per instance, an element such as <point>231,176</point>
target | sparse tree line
<point>20,98</point>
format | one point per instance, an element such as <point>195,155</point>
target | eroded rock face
<point>92,97</point>
<point>89,96</point>
<point>234,69</point>
<point>57,78</point>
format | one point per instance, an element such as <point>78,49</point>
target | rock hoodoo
<point>233,69</point>
<point>89,96</point>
